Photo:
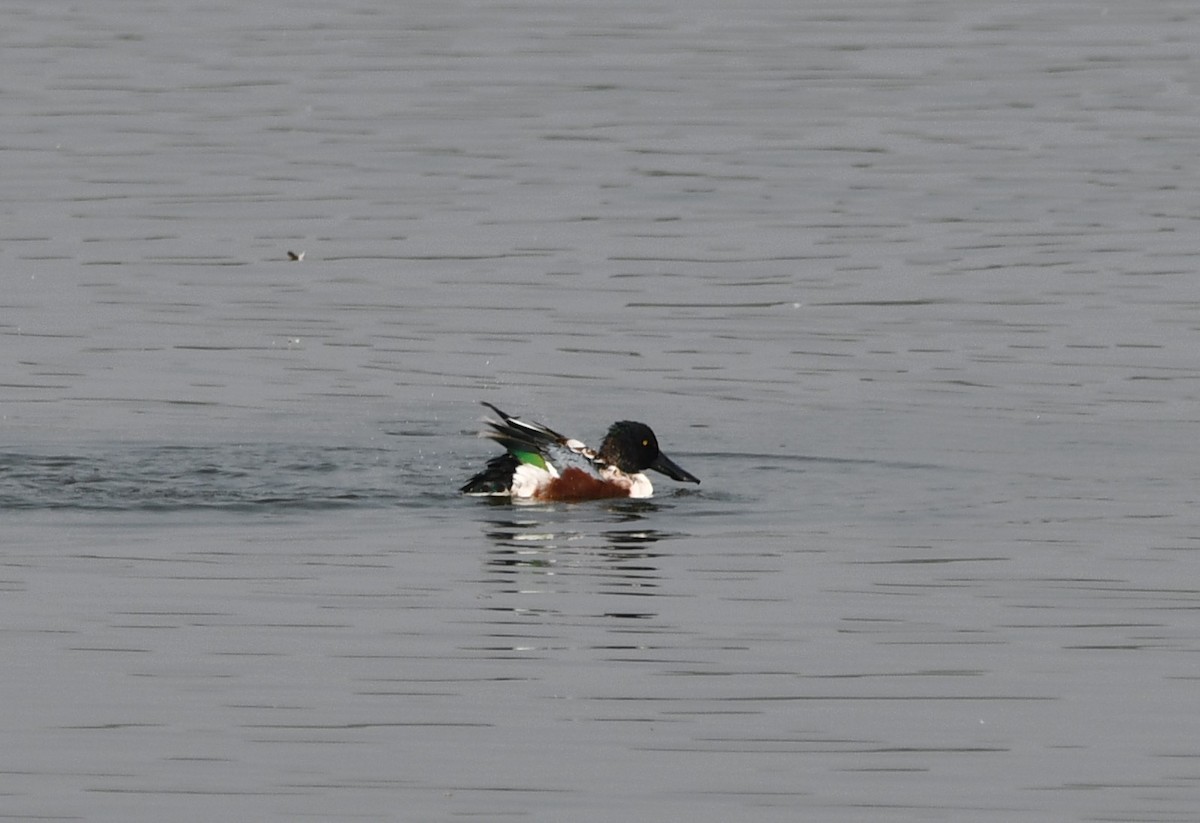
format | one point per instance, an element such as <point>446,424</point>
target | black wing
<point>526,440</point>
<point>496,478</point>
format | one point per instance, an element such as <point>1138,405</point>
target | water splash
<point>170,478</point>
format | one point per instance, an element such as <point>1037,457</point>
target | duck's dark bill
<point>664,464</point>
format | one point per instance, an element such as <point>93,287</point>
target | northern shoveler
<point>541,464</point>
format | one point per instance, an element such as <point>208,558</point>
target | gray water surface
<point>911,287</point>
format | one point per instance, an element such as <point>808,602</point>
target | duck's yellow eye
<point>645,442</point>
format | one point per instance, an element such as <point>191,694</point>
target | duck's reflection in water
<point>553,565</point>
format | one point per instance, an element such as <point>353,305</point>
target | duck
<point>539,464</point>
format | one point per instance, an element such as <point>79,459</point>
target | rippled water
<point>909,286</point>
<point>248,478</point>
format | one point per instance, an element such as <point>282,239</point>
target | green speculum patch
<point>533,458</point>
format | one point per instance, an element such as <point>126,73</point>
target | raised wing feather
<point>541,446</point>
